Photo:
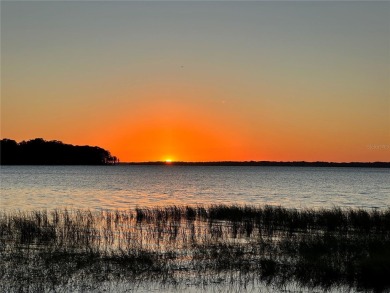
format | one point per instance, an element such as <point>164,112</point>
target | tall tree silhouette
<point>40,152</point>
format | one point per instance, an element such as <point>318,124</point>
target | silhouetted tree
<point>40,152</point>
<point>9,151</point>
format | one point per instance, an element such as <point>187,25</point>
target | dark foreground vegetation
<point>201,246</point>
<point>40,152</point>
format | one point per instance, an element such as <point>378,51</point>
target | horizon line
<point>252,162</point>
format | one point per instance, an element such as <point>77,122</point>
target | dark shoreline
<point>267,164</point>
<point>373,165</point>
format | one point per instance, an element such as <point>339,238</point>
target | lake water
<point>124,186</point>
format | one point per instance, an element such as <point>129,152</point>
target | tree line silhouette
<point>271,163</point>
<point>40,152</point>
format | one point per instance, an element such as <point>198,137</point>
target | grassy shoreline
<point>44,250</point>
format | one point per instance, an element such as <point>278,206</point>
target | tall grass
<point>41,250</point>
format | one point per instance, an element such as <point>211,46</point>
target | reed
<point>42,250</point>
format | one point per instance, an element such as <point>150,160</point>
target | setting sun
<point>208,93</point>
<point>195,146</point>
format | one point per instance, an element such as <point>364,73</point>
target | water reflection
<point>123,187</point>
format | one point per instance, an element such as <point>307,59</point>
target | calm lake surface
<point>124,187</point>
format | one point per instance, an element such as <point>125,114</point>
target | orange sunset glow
<point>169,130</point>
<point>184,82</point>
<point>192,145</point>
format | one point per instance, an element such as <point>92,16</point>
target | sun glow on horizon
<point>207,93</point>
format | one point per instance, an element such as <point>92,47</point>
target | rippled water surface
<point>122,187</point>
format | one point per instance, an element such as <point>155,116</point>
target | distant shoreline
<point>230,164</point>
<point>267,163</point>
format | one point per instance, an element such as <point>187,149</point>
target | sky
<point>200,81</point>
